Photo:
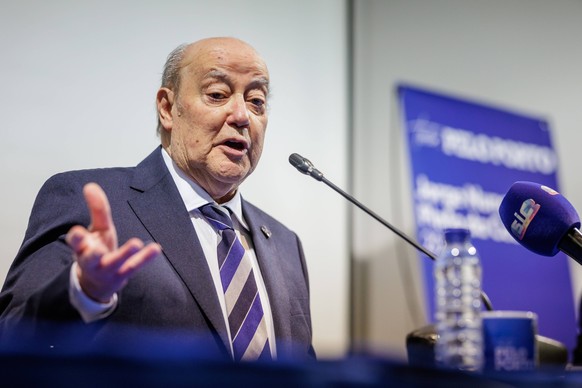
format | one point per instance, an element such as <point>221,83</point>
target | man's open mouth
<point>235,144</point>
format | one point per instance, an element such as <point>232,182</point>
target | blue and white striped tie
<point>246,320</point>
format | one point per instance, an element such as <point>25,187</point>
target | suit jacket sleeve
<point>36,287</point>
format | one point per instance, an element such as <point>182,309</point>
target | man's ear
<point>164,103</point>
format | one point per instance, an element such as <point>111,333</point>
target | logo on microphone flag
<point>527,212</point>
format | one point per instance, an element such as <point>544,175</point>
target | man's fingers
<point>139,259</point>
<point>121,255</point>
<point>75,238</point>
<point>100,277</point>
<point>88,249</point>
<point>99,208</point>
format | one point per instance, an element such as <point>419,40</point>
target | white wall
<point>521,54</point>
<point>78,85</point>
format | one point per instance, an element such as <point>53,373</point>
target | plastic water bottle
<point>458,303</point>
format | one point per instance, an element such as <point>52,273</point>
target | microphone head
<point>305,166</point>
<point>537,216</point>
<point>299,163</point>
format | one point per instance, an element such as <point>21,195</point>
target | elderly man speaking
<point>170,244</point>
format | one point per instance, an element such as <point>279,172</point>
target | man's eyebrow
<point>220,75</point>
<point>259,83</point>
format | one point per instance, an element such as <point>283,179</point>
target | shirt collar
<point>195,196</point>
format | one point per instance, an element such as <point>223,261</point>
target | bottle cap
<point>457,234</point>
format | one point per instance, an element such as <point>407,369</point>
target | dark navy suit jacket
<point>173,293</point>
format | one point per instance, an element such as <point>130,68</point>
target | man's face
<point>217,120</point>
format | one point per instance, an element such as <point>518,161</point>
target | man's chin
<point>231,180</point>
<point>233,172</point>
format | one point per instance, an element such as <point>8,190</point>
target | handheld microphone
<point>541,220</point>
<point>306,167</point>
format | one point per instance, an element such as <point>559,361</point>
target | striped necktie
<point>248,329</point>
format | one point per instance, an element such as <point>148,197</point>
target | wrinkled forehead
<point>232,57</point>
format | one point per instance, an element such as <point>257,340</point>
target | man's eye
<point>257,102</point>
<point>216,96</point>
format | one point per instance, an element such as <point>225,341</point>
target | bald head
<point>218,47</point>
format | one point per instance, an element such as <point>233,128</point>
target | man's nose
<point>239,113</point>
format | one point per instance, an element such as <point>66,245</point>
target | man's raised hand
<point>103,268</point>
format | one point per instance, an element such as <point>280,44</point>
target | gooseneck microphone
<point>306,167</point>
<point>542,220</point>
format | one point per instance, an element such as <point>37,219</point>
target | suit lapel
<point>269,259</point>
<point>159,207</point>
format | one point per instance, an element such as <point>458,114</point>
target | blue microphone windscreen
<point>537,216</point>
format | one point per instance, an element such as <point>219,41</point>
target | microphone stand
<point>306,167</point>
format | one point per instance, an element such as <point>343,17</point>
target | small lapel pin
<point>266,231</point>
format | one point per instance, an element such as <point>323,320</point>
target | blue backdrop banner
<point>464,157</point>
